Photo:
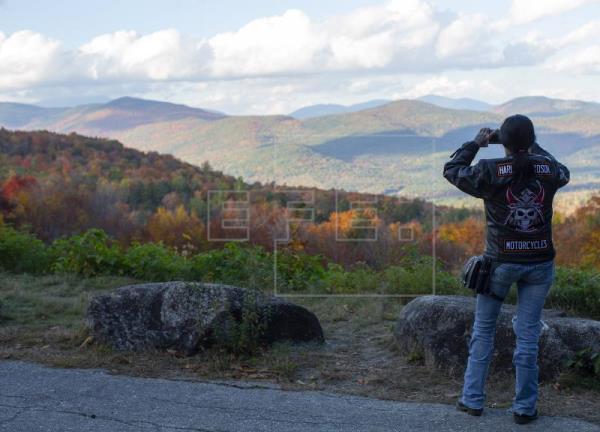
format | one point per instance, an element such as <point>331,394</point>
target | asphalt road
<point>36,398</point>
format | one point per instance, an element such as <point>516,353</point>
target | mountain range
<point>441,101</point>
<point>329,109</point>
<point>393,147</point>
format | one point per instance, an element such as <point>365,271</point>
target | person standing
<point>518,192</point>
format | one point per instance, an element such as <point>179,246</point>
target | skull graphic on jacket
<point>525,209</point>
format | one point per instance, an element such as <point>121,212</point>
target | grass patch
<point>42,301</point>
<point>416,357</point>
<point>572,379</point>
<point>279,360</point>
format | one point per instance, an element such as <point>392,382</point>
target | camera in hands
<point>495,137</point>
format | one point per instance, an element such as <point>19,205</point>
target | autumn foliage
<point>62,185</point>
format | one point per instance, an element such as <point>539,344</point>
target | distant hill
<point>386,148</point>
<point>541,106</point>
<point>395,147</point>
<point>330,109</point>
<point>99,119</point>
<point>16,115</point>
<point>456,103</point>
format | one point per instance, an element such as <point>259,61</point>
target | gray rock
<point>439,328</point>
<point>187,315</point>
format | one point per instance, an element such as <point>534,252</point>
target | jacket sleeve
<point>563,173</point>
<point>471,179</point>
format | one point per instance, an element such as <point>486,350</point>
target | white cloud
<point>577,51</point>
<point>403,15</point>
<point>374,36</point>
<point>369,37</point>
<point>463,37</point>
<point>581,61</point>
<point>444,85</point>
<point>26,58</point>
<point>289,42</point>
<point>473,41</point>
<point>525,11</point>
<point>400,36</point>
<point>162,55</point>
<point>292,58</point>
<point>587,32</point>
<point>439,85</point>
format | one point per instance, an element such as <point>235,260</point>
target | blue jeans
<point>533,283</point>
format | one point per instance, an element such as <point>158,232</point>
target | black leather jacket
<point>518,216</point>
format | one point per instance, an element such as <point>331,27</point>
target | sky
<point>272,57</point>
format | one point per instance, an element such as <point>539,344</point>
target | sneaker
<point>524,418</point>
<point>471,411</point>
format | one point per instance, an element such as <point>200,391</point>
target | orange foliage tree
<point>177,228</point>
<point>577,237</point>
<point>459,240</point>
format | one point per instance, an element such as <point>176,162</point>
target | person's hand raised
<point>483,137</point>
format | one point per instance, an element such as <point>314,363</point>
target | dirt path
<point>360,358</point>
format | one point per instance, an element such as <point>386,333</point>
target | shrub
<point>156,262</point>
<point>89,254</point>
<point>300,272</point>
<point>585,367</point>
<point>414,275</point>
<point>360,279</point>
<point>576,291</point>
<point>243,335</point>
<point>94,253</point>
<point>248,266</point>
<point>21,252</point>
<point>586,363</point>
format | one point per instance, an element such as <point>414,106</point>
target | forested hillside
<point>59,185</point>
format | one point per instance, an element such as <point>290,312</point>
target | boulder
<point>185,316</point>
<point>439,328</point>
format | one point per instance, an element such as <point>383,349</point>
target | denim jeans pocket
<point>542,273</point>
<point>502,279</point>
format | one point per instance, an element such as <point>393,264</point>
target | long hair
<point>517,134</point>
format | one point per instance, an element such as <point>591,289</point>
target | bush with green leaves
<point>411,276</point>
<point>235,264</point>
<point>586,363</point>
<point>92,253</point>
<point>156,262</point>
<point>415,275</point>
<point>576,291</point>
<point>21,252</point>
<point>299,272</point>
<point>359,279</point>
<point>243,335</point>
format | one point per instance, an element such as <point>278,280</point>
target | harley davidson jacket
<point>518,216</point>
